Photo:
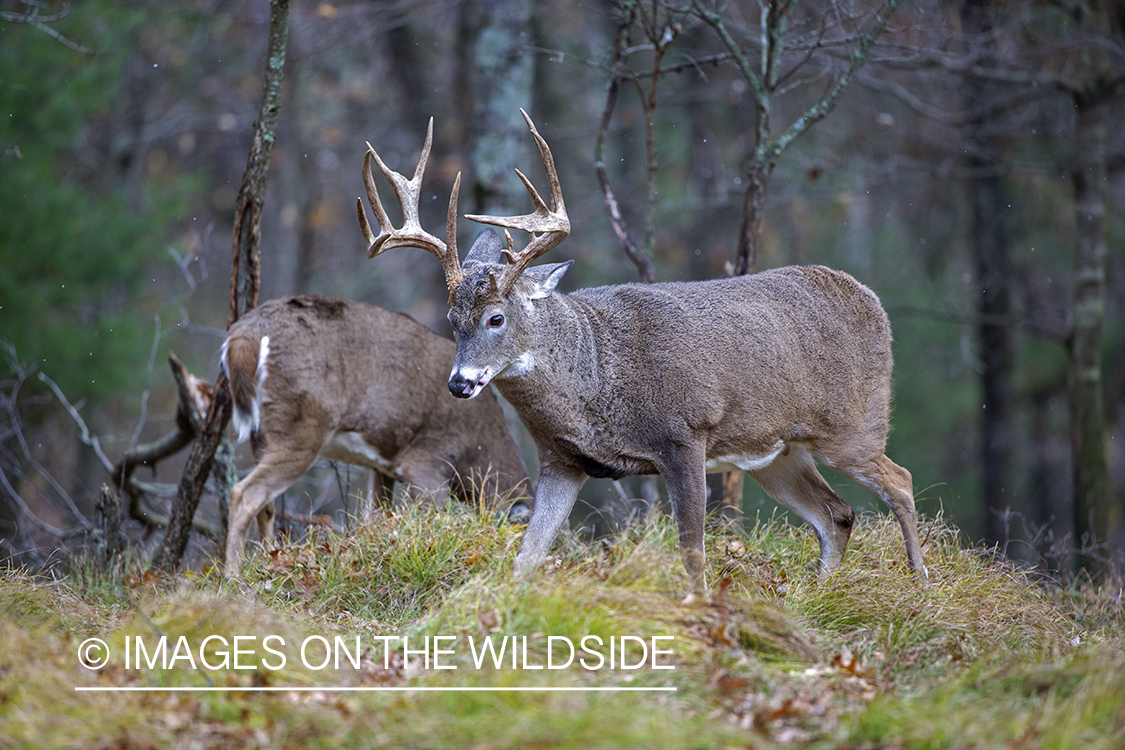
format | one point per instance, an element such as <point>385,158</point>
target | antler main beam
<point>547,226</point>
<point>411,234</point>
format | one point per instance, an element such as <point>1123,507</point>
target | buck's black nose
<point>460,386</point>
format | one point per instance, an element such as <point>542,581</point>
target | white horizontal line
<point>431,689</point>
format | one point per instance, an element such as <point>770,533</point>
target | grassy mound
<point>409,610</point>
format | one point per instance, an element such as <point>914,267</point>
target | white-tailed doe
<point>319,376</point>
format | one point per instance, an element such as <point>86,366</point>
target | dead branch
<point>660,37</point>
<point>26,511</point>
<point>193,402</point>
<point>634,253</point>
<point>121,474</point>
<point>33,18</point>
<point>111,541</point>
<point>245,285</point>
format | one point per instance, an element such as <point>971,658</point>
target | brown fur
<point>341,367</point>
<point>242,367</point>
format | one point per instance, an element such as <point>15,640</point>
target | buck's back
<point>803,345</point>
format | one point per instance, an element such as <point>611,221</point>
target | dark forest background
<point>971,172</point>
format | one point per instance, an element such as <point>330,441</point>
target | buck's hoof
<point>519,513</point>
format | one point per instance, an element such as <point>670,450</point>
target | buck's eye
<point>496,321</point>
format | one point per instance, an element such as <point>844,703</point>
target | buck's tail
<point>244,362</point>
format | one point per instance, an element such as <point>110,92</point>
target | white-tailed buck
<point>760,373</point>
<point>318,376</point>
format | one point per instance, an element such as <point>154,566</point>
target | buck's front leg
<point>554,498</point>
<point>686,476</point>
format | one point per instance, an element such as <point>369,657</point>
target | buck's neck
<point>560,386</point>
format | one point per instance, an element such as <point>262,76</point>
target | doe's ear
<point>544,279</point>
<point>486,249</point>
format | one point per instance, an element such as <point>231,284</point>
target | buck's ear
<point>486,249</point>
<point>544,279</point>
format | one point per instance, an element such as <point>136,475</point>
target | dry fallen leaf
<point>848,662</point>
<point>487,619</point>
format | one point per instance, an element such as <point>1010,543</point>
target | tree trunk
<point>286,218</point>
<point>496,37</point>
<point>246,253</point>
<point>990,245</point>
<point>196,471</point>
<point>753,210</point>
<point>245,285</point>
<point>749,236</point>
<point>1095,514</point>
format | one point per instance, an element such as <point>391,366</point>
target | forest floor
<point>981,655</point>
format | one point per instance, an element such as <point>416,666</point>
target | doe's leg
<point>378,493</point>
<point>427,478</point>
<point>274,474</point>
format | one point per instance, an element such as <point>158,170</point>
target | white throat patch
<point>521,365</point>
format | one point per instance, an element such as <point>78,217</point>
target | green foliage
<point>978,656</point>
<point>73,241</point>
<point>1077,701</point>
<point>403,565</point>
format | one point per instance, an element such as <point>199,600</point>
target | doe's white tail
<point>246,369</point>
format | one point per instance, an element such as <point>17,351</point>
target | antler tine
<point>374,244</point>
<point>411,234</point>
<point>547,226</point>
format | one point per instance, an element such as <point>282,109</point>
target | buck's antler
<point>411,234</point>
<point>551,224</point>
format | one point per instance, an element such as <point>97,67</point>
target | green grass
<point>977,656</point>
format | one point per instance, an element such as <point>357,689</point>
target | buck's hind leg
<point>894,485</point>
<point>793,480</point>
<point>250,497</point>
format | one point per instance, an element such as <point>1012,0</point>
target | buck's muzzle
<point>460,386</point>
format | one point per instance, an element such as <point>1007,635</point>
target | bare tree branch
<point>640,258</point>
<point>245,287</point>
<point>821,109</point>
<point>121,473</point>
<point>945,116</point>
<point>86,436</point>
<point>773,27</point>
<point>33,18</point>
<point>25,510</point>
<point>661,31</point>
